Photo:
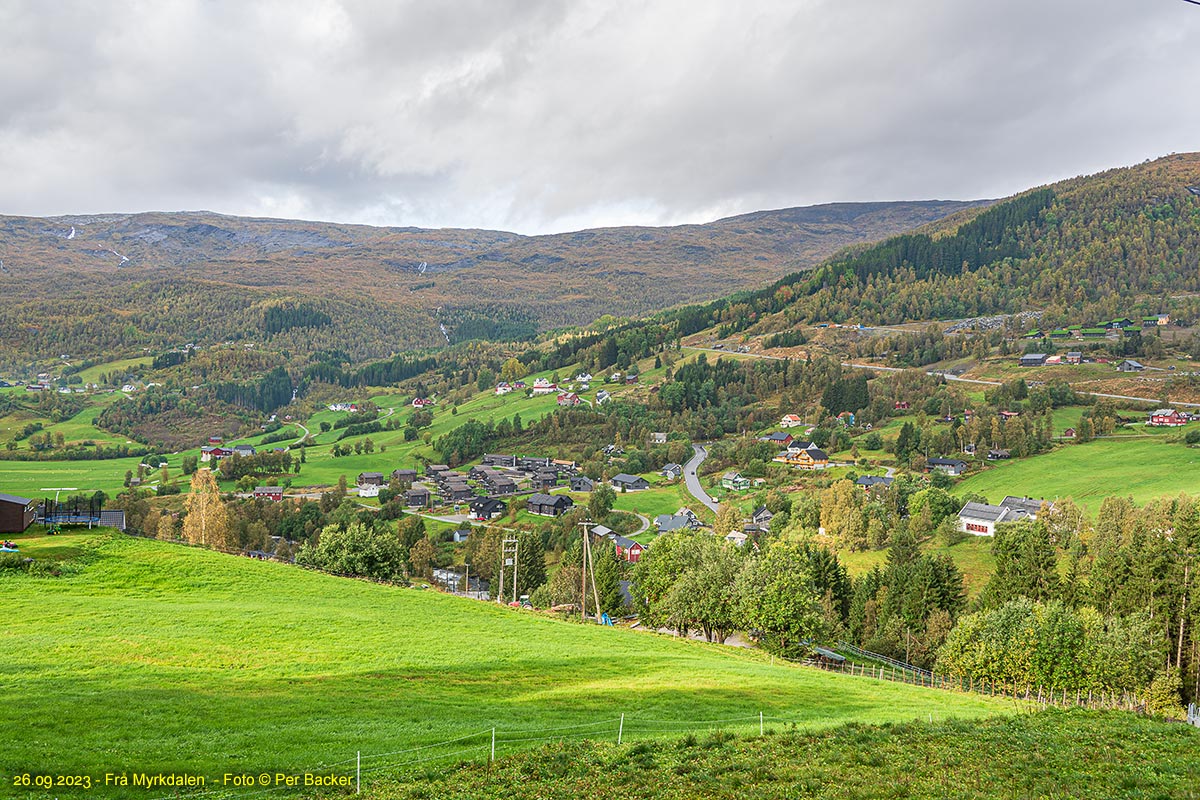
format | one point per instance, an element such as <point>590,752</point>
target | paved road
<point>692,482</point>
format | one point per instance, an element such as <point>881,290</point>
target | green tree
<point>777,597</point>
<point>601,500</point>
<point>356,549</point>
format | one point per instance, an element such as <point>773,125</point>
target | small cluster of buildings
<point>981,519</point>
<point>215,450</point>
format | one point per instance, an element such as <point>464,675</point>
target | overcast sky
<point>547,116</point>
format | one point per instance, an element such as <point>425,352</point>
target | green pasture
<point>1141,468</point>
<point>157,657</point>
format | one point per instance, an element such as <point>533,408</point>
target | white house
<point>790,421</point>
<point>369,490</point>
<point>981,518</point>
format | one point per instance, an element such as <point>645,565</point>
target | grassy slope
<point>1051,754</point>
<point>972,556</point>
<point>156,656</point>
<point>1140,468</point>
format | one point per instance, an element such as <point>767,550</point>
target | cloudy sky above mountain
<point>547,116</point>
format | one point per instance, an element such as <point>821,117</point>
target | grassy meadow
<point>1142,468</point>
<point>1050,754</point>
<point>151,656</point>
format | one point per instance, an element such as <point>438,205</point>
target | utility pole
<point>588,565</point>
<point>509,548</point>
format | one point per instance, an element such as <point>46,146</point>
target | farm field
<point>154,656</point>
<point>1139,468</point>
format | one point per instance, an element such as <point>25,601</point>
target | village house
<point>543,386</point>
<point>665,523</point>
<point>869,482</point>
<point>273,493</point>
<point>777,438</point>
<point>243,450</point>
<point>568,400</point>
<point>404,476</point>
<point>456,492</point>
<point>761,516</point>
<point>628,549</point>
<point>738,538</point>
<point>629,483</point>
<point>584,377</point>
<point>369,490</point>
<point>950,466</point>
<point>803,455</point>
<point>1069,433</point>
<point>1074,357</point>
<point>981,518</point>
<point>485,508</point>
<point>369,478</point>
<point>1129,365</point>
<point>998,454</point>
<point>503,388</point>
<point>460,535</point>
<point>672,471</point>
<point>901,405</point>
<point>1167,418</point>
<point>658,437</point>
<point>602,397</point>
<point>735,482</point>
<point>422,402</point>
<point>1033,359</point>
<point>547,479</point>
<point>417,497</point>
<point>582,483</point>
<point>547,505</point>
<point>434,470</point>
<point>791,421</point>
<point>498,460</point>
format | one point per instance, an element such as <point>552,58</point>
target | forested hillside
<point>90,285</point>
<point>1123,242</point>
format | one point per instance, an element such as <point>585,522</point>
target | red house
<point>628,549</point>
<point>568,399</point>
<point>273,493</point>
<point>1167,417</point>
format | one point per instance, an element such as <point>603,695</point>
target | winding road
<point>691,480</point>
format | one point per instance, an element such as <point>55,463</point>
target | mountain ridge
<point>395,278</point>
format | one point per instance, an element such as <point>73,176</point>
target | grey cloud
<point>538,116</point>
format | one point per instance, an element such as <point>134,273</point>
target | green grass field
<point>1139,468</point>
<point>973,557</point>
<point>158,657</point>
<point>1050,754</point>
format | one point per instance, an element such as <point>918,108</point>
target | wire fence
<point>1044,696</point>
<point>484,745</point>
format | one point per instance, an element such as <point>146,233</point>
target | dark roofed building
<point>871,481</point>
<point>950,466</point>
<point>404,475</point>
<point>488,508</point>
<point>16,513</point>
<point>629,483</point>
<point>549,505</point>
